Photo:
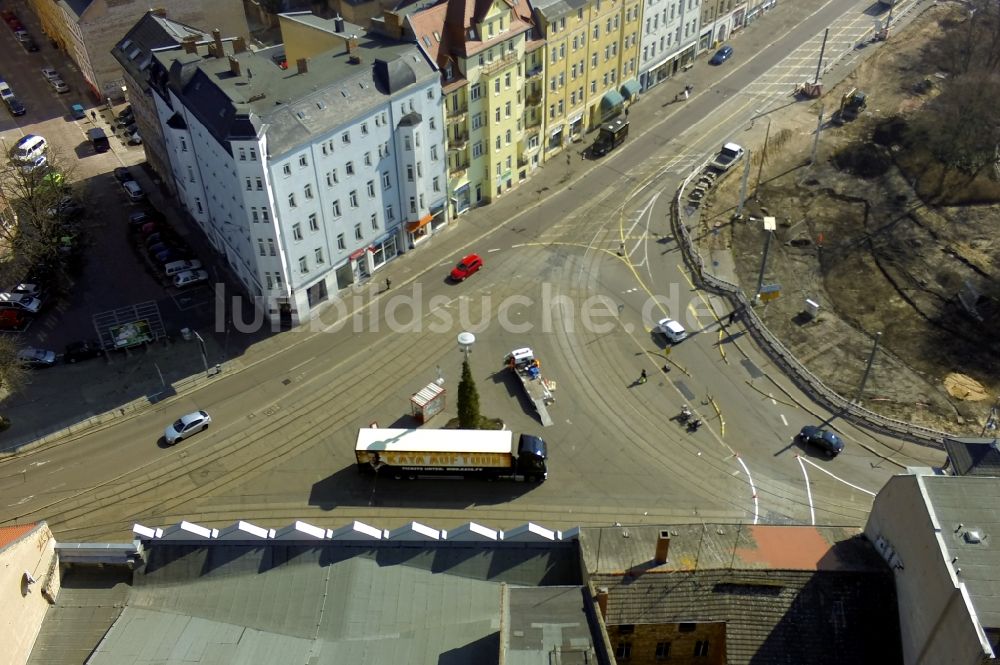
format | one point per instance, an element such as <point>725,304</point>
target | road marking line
<point>838,478</point>
<point>495,249</point>
<point>24,500</point>
<point>809,494</point>
<point>783,419</point>
<point>756,501</point>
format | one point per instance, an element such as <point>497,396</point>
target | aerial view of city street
<point>591,331</point>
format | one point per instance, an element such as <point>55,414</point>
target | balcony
<point>458,171</point>
<point>534,72</point>
<point>456,115</point>
<point>533,99</point>
<point>458,142</point>
<point>491,68</point>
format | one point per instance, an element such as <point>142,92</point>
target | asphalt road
<point>281,444</point>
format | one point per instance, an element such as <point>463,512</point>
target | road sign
<point>769,292</point>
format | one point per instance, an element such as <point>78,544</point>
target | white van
<point>175,267</point>
<point>30,148</point>
<point>5,91</point>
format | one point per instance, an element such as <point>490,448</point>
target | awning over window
<point>423,221</point>
<point>630,88</point>
<point>611,99</point>
<point>357,254</point>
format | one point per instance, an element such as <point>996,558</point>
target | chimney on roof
<point>602,601</point>
<point>239,45</point>
<point>338,23</point>
<point>662,548</point>
<point>190,44</point>
<point>217,36</point>
<point>159,11</point>
<point>303,65</point>
<point>352,43</point>
<point>234,65</point>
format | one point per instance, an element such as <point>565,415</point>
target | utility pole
<point>819,128</point>
<point>763,156</point>
<point>743,186</point>
<point>768,232</point>
<point>868,368</point>
<point>822,49</point>
<point>204,354</point>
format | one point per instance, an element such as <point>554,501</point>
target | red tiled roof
<point>9,534</point>
<point>424,24</point>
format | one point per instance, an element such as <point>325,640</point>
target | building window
<point>260,184</point>
<point>434,152</point>
<point>431,122</point>
<point>407,143</point>
<point>271,248</point>
<point>291,200</point>
<point>409,172</point>
<point>623,651</point>
<point>498,143</point>
<point>308,191</point>
<point>496,87</point>
<point>243,154</point>
<point>184,145</point>
<point>303,161</point>
<point>345,138</point>
<point>413,204</point>
<point>436,184</point>
<point>508,137</point>
<point>265,216</point>
<point>253,154</point>
<point>297,231</point>
<point>270,281</point>
<point>303,264</point>
<point>390,214</point>
<point>249,184</point>
<point>477,149</point>
<point>319,256</point>
<point>349,168</point>
<point>254,215</point>
<point>353,198</point>
<point>357,232</point>
<point>261,247</point>
<point>313,222</point>
<point>475,92</point>
<point>336,208</point>
<point>386,180</point>
<point>374,221</point>
<point>364,128</point>
<point>287,169</point>
<point>341,242</point>
<point>371,189</point>
<point>506,80</point>
<point>329,179</point>
<point>662,650</point>
<point>701,648</point>
<point>368,159</point>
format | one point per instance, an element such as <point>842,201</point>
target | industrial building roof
<point>966,509</point>
<point>974,457</point>
<point>219,602</point>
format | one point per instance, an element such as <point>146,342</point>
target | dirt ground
<point>874,255</point>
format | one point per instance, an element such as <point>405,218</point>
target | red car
<point>467,266</point>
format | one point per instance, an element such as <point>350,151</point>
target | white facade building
<point>669,39</point>
<point>306,179</point>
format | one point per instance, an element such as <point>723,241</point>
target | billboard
<point>131,334</point>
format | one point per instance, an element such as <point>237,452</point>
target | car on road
<point>723,54</point>
<point>468,266</point>
<point>823,439</point>
<point>15,106</point>
<point>672,330</point>
<point>190,278</point>
<point>122,174</point>
<point>77,112</point>
<point>82,350</point>
<point>729,155</point>
<point>187,425</point>
<point>32,357</point>
<point>59,85</point>
<point>50,74</point>
<point>133,190</point>
<point>21,301</point>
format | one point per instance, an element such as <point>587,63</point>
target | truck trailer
<point>466,453</point>
<point>528,370</point>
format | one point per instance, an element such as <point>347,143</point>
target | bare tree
<point>13,375</point>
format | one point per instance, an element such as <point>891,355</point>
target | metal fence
<point>805,380</point>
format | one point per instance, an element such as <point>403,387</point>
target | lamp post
<point>465,342</point>
<point>204,353</point>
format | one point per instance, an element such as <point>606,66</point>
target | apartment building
<point>591,64</point>
<point>88,31</point>
<point>481,48</point>
<point>669,39</point>
<point>719,19</point>
<point>307,179</point>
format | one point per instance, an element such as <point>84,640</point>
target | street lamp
<point>204,353</point>
<point>465,342</point>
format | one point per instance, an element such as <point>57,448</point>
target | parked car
<point>50,74</point>
<point>13,319</point>
<point>672,330</point>
<point>29,288</point>
<point>823,439</point>
<point>185,426</point>
<point>20,301</point>
<point>77,112</point>
<point>190,278</point>
<point>138,219</point>
<point>67,208</point>
<point>32,357</point>
<point>170,255</point>
<point>124,120</point>
<point>59,85</point>
<point>82,350</point>
<point>15,106</point>
<point>133,190</point>
<point>723,54</point>
<point>177,267</point>
<point>149,228</point>
<point>122,174</point>
<point>468,266</point>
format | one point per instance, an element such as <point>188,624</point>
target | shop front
<point>419,230</point>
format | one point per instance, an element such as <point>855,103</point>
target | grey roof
<point>974,457</point>
<point>962,505</point>
<point>267,603</point>
<point>550,620</point>
<point>151,32</point>
<point>291,107</point>
<point>556,9</point>
<point>76,7</point>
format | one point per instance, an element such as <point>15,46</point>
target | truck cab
<point>609,136</point>
<point>532,453</point>
<point>729,155</point>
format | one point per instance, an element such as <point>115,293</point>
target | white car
<point>21,301</point>
<point>33,357</point>
<point>672,330</point>
<point>50,74</point>
<point>133,190</point>
<point>187,425</point>
<point>59,85</point>
<point>189,277</point>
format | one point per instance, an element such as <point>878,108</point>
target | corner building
<point>309,179</point>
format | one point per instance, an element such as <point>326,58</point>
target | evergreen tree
<point>468,400</point>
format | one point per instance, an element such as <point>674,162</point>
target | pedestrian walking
<point>732,317</point>
<point>93,114</point>
<point>686,93</point>
<point>642,377</point>
<point>388,283</point>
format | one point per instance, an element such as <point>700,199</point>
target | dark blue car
<point>823,439</point>
<point>723,54</point>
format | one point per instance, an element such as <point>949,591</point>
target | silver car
<point>187,425</point>
<point>33,357</point>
